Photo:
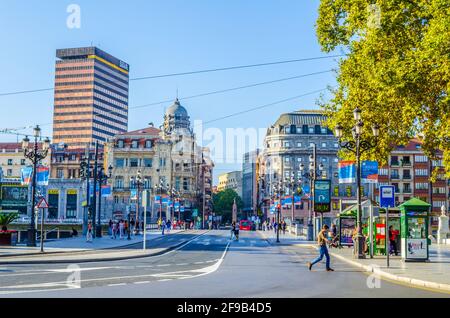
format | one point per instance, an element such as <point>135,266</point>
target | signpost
<point>387,200</point>
<point>322,197</point>
<point>42,204</point>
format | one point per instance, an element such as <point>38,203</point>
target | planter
<point>8,238</point>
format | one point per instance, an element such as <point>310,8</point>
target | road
<point>206,266</point>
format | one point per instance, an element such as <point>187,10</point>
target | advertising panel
<point>322,196</point>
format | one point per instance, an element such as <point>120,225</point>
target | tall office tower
<point>91,96</point>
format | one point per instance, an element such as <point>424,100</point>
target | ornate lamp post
<point>159,188</point>
<point>102,178</point>
<point>139,183</point>
<point>293,184</point>
<point>35,156</point>
<point>311,175</point>
<point>358,146</point>
<point>277,190</point>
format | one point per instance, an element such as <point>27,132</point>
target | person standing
<point>121,229</point>
<point>284,227</point>
<point>322,241</point>
<point>393,241</point>
<point>163,226</point>
<point>89,233</point>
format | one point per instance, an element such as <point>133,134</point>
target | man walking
<point>322,241</point>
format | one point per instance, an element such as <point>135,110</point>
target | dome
<point>176,110</point>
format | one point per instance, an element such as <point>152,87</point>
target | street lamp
<point>311,175</point>
<point>139,184</point>
<point>102,178</point>
<point>294,185</point>
<point>35,156</point>
<point>358,146</point>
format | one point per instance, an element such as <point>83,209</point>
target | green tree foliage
<point>223,203</point>
<point>7,218</point>
<point>397,70</point>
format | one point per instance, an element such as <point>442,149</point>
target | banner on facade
<point>347,172</point>
<point>133,194</point>
<point>42,175</point>
<point>106,191</point>
<point>369,172</point>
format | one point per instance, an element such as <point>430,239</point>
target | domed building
<point>176,119</point>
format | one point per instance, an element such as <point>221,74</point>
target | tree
<point>396,70</point>
<point>223,203</point>
<point>6,219</point>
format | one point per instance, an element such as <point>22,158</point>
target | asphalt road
<point>207,266</point>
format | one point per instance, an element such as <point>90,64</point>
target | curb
<point>104,259</point>
<point>371,269</point>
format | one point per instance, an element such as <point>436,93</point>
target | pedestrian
<point>163,226</point>
<point>110,227</point>
<point>89,233</point>
<point>168,225</point>
<point>159,224</point>
<point>322,241</point>
<point>121,229</point>
<point>393,240</point>
<point>233,229</point>
<point>275,227</point>
<point>236,232</point>
<point>284,227</point>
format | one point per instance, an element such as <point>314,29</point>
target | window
<point>148,162</point>
<point>177,183</point>
<point>286,144</point>
<point>407,174</point>
<point>60,173</point>
<point>299,159</point>
<point>336,191</point>
<point>324,160</point>
<point>324,131</point>
<point>134,144</point>
<point>438,190</point>
<point>421,172</point>
<point>311,130</point>
<point>287,129</point>
<point>438,204</point>
<point>383,172</point>
<point>324,144</point>
<point>394,161</point>
<point>336,160</point>
<point>287,159</point>
<point>421,186</point>
<point>311,144</point>
<point>396,187</point>
<point>148,144</point>
<point>147,182</point>
<point>71,204</point>
<point>421,158</point>
<point>394,174</point>
<point>437,163</point>
<point>185,184</point>
<point>406,188</point>
<point>10,162</point>
<point>22,162</point>
<point>133,162</point>
<point>120,162</point>
<point>406,161</point>
<point>9,173</point>
<point>348,190</point>
<point>336,145</point>
<point>299,130</point>
<point>299,144</point>
<point>120,144</point>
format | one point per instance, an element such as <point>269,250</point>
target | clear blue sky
<point>159,37</point>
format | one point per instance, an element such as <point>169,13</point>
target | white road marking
<point>182,264</point>
<point>164,280</point>
<point>144,282</point>
<point>202,271</point>
<point>164,265</point>
<point>113,285</point>
<point>197,263</point>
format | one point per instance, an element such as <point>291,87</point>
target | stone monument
<point>443,227</point>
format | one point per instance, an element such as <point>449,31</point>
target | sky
<point>164,37</point>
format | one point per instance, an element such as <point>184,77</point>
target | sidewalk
<point>434,274</point>
<point>103,250</point>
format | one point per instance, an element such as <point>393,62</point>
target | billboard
<point>322,196</point>
<point>369,172</point>
<point>41,176</point>
<point>14,195</point>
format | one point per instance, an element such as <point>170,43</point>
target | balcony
<point>395,163</point>
<point>395,177</point>
<point>406,177</point>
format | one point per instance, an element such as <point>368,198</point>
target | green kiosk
<point>414,230</point>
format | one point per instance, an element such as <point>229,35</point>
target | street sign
<point>387,196</point>
<point>42,204</point>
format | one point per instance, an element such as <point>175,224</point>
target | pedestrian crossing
<point>225,240</point>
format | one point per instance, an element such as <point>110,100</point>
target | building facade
<point>409,170</point>
<point>91,96</point>
<point>170,163</point>
<point>289,143</point>
<point>12,159</point>
<point>249,183</point>
<point>231,180</point>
